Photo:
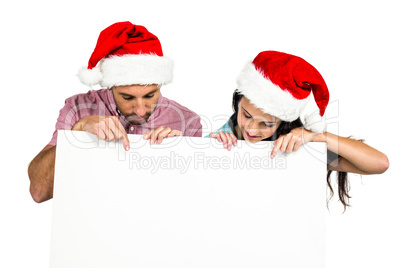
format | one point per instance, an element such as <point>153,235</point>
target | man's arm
<point>41,174</point>
<point>41,169</point>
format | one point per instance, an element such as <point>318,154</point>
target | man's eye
<point>128,98</point>
<point>149,96</point>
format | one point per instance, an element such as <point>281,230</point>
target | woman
<point>272,92</point>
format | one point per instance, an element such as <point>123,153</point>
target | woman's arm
<point>357,157</point>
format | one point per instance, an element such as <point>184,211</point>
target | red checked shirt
<point>167,113</point>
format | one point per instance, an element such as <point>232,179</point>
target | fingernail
<point>127,148</point>
<point>225,145</point>
<point>146,136</point>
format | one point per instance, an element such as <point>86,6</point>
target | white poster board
<point>186,203</point>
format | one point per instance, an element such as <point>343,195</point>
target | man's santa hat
<point>280,85</point>
<point>127,54</point>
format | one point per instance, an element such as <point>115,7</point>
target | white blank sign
<point>186,203</point>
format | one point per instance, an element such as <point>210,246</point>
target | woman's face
<point>254,124</point>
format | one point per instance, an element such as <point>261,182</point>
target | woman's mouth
<point>251,136</point>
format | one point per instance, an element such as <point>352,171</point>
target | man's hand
<point>228,139</point>
<point>106,128</point>
<point>158,134</point>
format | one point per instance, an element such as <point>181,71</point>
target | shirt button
<point>131,128</point>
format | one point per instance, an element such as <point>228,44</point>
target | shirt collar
<point>158,109</point>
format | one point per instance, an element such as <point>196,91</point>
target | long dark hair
<point>285,128</point>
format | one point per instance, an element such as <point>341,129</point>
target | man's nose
<point>140,108</point>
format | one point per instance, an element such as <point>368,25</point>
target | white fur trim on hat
<point>90,77</point>
<point>142,69</point>
<point>315,123</point>
<point>267,96</point>
<point>136,70</point>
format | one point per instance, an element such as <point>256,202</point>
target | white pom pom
<point>90,77</point>
<point>315,123</point>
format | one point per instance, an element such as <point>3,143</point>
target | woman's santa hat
<point>127,54</point>
<point>280,85</point>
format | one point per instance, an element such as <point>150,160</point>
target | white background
<point>356,45</point>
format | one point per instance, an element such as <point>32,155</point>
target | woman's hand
<point>228,139</point>
<point>292,141</point>
<point>158,134</point>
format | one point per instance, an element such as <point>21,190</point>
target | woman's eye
<point>268,125</point>
<point>246,115</point>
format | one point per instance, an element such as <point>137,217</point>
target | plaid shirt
<point>167,113</point>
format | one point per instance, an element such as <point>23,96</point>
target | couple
<point>272,92</point>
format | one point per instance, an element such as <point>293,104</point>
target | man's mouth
<point>137,119</point>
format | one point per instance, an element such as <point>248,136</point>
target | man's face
<point>136,102</point>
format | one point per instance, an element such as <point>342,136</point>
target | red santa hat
<point>280,84</point>
<point>127,54</point>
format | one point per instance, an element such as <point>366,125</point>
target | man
<point>128,61</point>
